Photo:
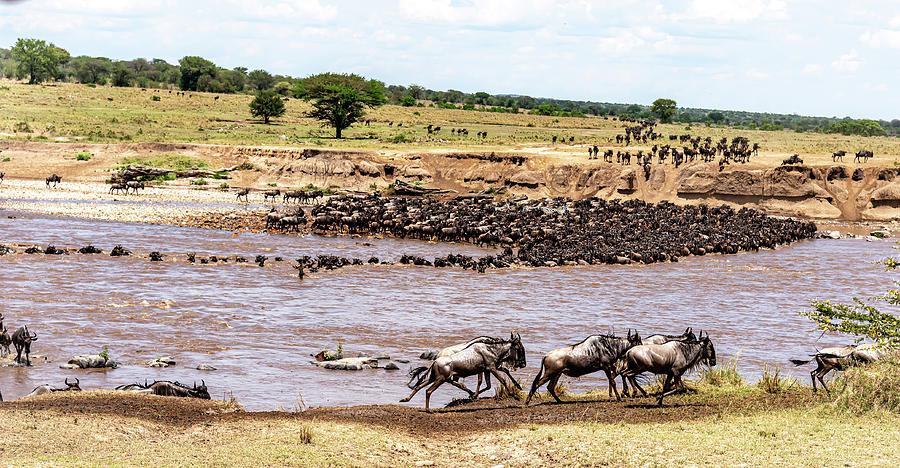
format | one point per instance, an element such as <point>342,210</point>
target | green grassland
<point>67,112</point>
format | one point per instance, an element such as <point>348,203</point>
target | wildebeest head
<point>708,353</point>
<point>634,338</point>
<point>517,351</point>
<point>201,391</point>
<point>72,386</point>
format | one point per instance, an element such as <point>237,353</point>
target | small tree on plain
<point>664,109</point>
<point>339,100</point>
<point>38,60</point>
<point>267,104</point>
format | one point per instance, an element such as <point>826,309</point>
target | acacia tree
<point>267,104</point>
<point>339,100</point>
<point>38,60</point>
<point>192,69</point>
<point>860,318</point>
<point>664,109</point>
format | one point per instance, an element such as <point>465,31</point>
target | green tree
<point>192,68</point>
<point>861,319</point>
<point>38,60</point>
<point>91,70</point>
<point>261,79</point>
<point>408,101</point>
<point>716,116</point>
<point>267,104</point>
<point>664,109</point>
<point>339,100</point>
<point>416,91</point>
<point>121,76</point>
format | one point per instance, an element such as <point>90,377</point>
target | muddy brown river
<point>259,326</point>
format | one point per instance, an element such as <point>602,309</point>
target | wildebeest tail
<point>537,378</point>
<point>800,362</point>
<point>417,376</point>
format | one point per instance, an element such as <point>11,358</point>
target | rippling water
<point>258,326</point>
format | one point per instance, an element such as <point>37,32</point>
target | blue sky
<point>824,58</point>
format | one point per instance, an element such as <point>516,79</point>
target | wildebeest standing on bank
<point>594,353</point>
<point>840,358</point>
<point>474,359</point>
<point>54,179</point>
<point>22,339</point>
<point>243,193</point>
<point>671,359</point>
<point>5,339</point>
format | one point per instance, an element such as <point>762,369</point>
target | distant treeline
<point>199,74</point>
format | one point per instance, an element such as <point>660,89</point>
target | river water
<point>259,326</point>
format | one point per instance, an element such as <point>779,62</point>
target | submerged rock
<point>89,361</point>
<point>349,364</point>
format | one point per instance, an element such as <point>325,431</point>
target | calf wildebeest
<point>840,358</point>
<point>167,388</point>
<point>47,388</point>
<point>671,359</point>
<point>22,339</point>
<point>596,352</point>
<point>244,192</point>
<point>838,155</point>
<point>273,194</point>
<point>477,358</point>
<point>54,179</point>
<point>118,188</point>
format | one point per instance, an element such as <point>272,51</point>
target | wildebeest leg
<point>624,386</point>
<point>612,385</point>
<point>664,392</point>
<point>635,385</point>
<point>551,387</point>
<point>504,383</point>
<point>539,379</point>
<point>821,375</point>
<point>438,382</point>
<point>511,378</point>
<point>419,387</point>
<point>462,387</point>
<point>487,378</point>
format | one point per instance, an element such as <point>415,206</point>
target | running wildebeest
<point>418,375</point>
<point>840,358</point>
<point>477,358</point>
<point>244,192</point>
<point>658,338</point>
<point>273,194</point>
<point>167,388</point>
<point>46,388</point>
<point>22,339</point>
<point>671,359</point>
<point>596,352</point>
<point>54,179</point>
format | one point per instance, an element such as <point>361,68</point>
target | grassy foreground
<point>68,112</point>
<point>747,426</point>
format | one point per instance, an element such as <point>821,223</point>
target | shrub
<point>400,139</point>
<point>6,160</point>
<point>772,381</point>
<point>721,376</point>
<point>155,98</point>
<point>22,127</point>
<point>83,156</point>
<point>91,85</point>
<point>224,185</point>
<point>200,181</point>
<point>871,387</point>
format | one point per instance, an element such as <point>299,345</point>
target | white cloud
<point>738,11</point>
<point>849,62</point>
<point>495,13</point>
<point>881,38</point>
<point>640,38</point>
<point>309,11</point>
<point>757,75</point>
<point>812,68</point>
<point>895,22</point>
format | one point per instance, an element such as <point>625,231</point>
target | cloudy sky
<point>812,57</point>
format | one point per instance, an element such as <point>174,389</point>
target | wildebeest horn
<point>202,382</point>
<point>67,382</point>
<point>688,330</point>
<point>33,336</point>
